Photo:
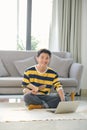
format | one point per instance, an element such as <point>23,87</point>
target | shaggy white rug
<point>10,112</point>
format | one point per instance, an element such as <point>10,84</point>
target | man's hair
<point>43,51</point>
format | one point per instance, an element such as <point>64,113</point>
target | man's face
<point>43,59</point>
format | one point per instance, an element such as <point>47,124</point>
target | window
<point>21,24</point>
<point>8,22</point>
<point>41,17</point>
<point>13,19</point>
<point>12,14</point>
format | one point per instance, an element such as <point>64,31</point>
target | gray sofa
<point>13,64</point>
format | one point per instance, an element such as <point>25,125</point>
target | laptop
<point>65,107</point>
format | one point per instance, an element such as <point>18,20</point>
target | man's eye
<point>47,58</point>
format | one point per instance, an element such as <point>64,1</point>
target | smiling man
<point>38,81</point>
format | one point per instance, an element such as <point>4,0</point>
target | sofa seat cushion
<point>69,82</point>
<point>17,81</point>
<point>10,81</point>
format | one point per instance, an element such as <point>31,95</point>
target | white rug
<point>17,112</point>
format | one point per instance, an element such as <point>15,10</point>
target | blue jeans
<point>49,101</point>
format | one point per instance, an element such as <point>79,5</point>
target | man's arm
<point>61,93</point>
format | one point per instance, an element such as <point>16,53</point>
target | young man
<point>38,81</point>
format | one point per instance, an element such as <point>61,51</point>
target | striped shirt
<point>49,79</point>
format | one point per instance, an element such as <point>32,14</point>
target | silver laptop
<point>66,107</point>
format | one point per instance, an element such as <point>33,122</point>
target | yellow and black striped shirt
<point>49,79</point>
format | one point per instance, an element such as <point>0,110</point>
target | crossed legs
<point>47,101</point>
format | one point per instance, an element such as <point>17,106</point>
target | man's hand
<point>26,90</point>
<point>42,87</point>
<point>32,87</point>
<point>35,89</point>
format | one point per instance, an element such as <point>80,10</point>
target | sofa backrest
<point>63,54</point>
<point>9,57</point>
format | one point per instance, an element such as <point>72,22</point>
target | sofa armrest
<point>76,71</point>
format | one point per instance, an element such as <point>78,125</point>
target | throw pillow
<point>60,65</point>
<point>21,65</point>
<point>3,71</point>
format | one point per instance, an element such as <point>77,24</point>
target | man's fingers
<point>42,86</point>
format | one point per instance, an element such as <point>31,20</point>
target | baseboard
<point>83,92</point>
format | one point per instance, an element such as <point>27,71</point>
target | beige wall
<point>84,44</point>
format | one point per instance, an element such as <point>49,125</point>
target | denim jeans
<point>49,101</point>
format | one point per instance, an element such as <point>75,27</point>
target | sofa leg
<point>72,96</point>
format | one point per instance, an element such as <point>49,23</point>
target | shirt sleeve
<point>25,80</point>
<point>56,83</point>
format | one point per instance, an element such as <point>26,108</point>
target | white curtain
<point>75,33</point>
<point>65,30</point>
<point>53,36</point>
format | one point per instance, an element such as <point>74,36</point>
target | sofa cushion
<point>11,81</point>
<point>61,65</point>
<point>3,71</point>
<point>21,65</point>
